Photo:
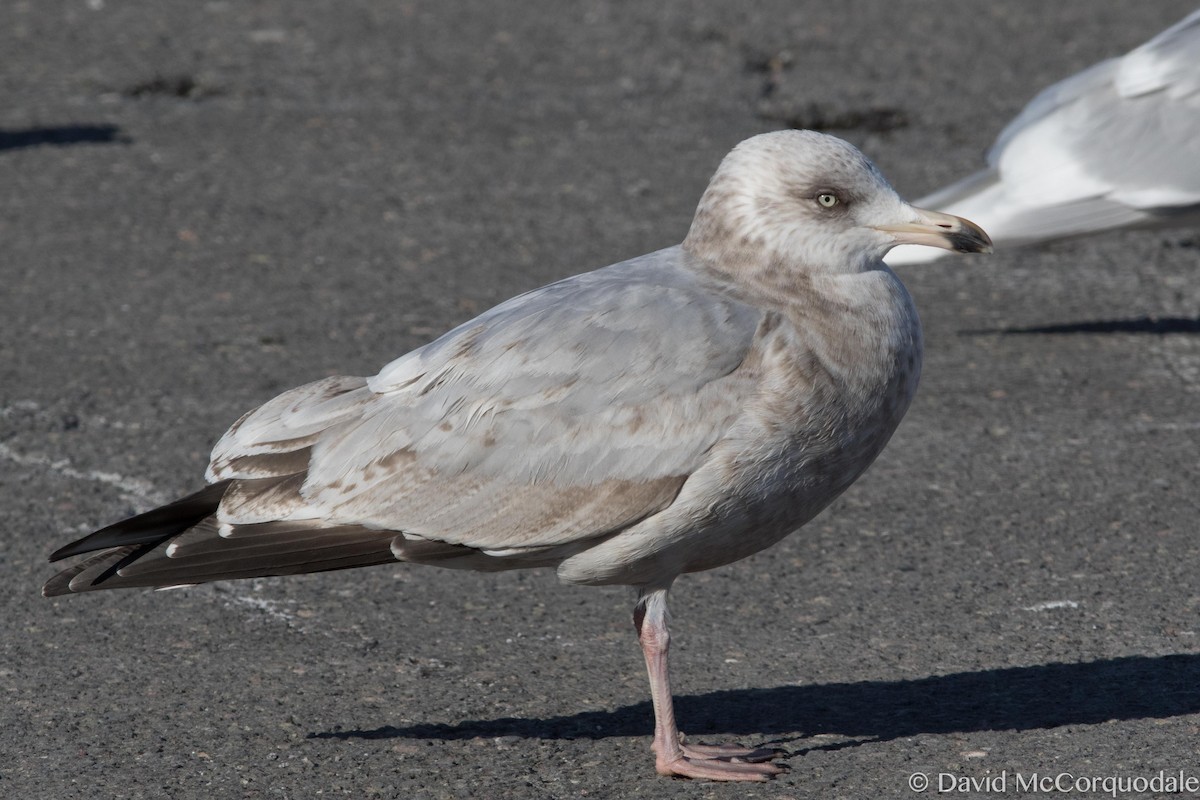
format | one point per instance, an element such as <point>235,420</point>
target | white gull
<point>1115,146</point>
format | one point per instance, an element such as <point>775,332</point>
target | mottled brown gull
<point>668,414</point>
<point>1115,146</point>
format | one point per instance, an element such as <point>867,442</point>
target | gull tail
<point>182,544</point>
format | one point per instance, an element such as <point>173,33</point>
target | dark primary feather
<point>153,526</point>
<point>180,544</point>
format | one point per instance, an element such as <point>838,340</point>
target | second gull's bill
<point>1115,146</point>
<point>667,414</point>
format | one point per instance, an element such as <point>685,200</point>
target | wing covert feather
<point>561,415</point>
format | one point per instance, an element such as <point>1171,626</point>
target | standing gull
<point>668,414</point>
<point>1115,146</point>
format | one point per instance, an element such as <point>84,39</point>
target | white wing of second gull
<point>664,415</point>
<point>1115,146</point>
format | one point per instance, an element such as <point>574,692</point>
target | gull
<point>668,414</point>
<point>1115,146</point>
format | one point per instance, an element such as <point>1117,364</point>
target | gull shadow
<point>1153,325</point>
<point>61,136</point>
<point>1015,698</point>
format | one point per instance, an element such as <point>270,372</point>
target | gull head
<point>801,200</point>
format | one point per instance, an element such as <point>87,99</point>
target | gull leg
<point>672,757</point>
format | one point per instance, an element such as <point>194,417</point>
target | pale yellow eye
<point>827,200</point>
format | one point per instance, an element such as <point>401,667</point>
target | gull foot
<point>720,762</point>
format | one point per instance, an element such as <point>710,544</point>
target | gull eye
<point>828,199</point>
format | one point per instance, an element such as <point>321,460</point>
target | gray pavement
<point>205,203</point>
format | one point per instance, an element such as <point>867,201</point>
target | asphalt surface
<point>205,203</point>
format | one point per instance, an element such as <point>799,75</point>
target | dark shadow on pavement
<point>1154,325</point>
<point>61,136</point>
<point>1016,698</point>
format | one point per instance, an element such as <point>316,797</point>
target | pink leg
<point>672,757</point>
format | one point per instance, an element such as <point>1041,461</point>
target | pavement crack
<point>133,488</point>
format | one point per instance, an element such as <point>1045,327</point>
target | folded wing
<point>557,418</point>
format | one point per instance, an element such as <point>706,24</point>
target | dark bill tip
<point>969,238</point>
